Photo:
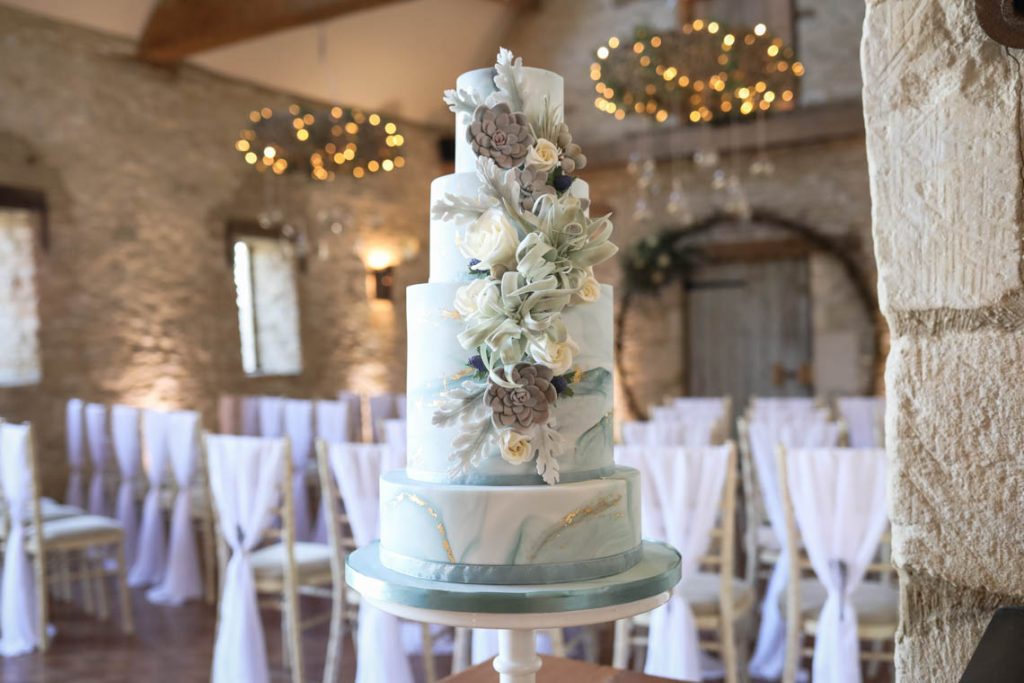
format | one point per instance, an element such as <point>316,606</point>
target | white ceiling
<point>396,59</point>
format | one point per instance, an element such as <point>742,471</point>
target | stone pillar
<point>942,103</point>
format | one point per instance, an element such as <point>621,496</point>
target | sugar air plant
<point>531,249</point>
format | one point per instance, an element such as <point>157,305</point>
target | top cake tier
<point>541,87</point>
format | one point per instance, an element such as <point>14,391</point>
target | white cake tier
<point>447,264</point>
<point>437,360</point>
<point>541,88</point>
<point>511,534</point>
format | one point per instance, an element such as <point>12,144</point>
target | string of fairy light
<point>702,72</point>
<point>320,143</point>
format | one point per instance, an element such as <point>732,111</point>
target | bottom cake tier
<point>511,534</point>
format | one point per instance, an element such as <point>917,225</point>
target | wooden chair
<point>876,600</point>
<point>62,534</point>
<point>283,569</point>
<point>720,601</point>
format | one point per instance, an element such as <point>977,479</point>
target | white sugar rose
<point>543,156</point>
<point>590,290</point>
<point>555,354</point>
<point>515,447</point>
<point>491,240</point>
<point>467,298</point>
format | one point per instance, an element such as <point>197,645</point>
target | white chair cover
<point>75,436</point>
<point>357,469</point>
<point>151,551</point>
<point>333,425</point>
<point>395,431</point>
<point>228,408</point>
<point>17,586</point>
<point>401,406</point>
<point>124,432</point>
<point>685,485</point>
<point>862,415</point>
<point>298,425</point>
<point>182,579</point>
<point>634,432</point>
<point>249,415</point>
<point>99,449</point>
<point>244,476</point>
<point>271,411</point>
<point>840,506</point>
<point>812,431</point>
<point>762,407</point>
<point>703,406</point>
<point>355,414</point>
<point>382,407</point>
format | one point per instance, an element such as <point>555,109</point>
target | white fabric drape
<point>245,473</point>
<point>684,486</point>
<point>395,431</point>
<point>863,417</point>
<point>354,404</point>
<point>228,407</point>
<point>271,412</point>
<point>182,579</point>
<point>333,425</point>
<point>99,449</point>
<point>382,407</point>
<point>357,469</point>
<point>809,430</point>
<point>151,551</point>
<point>298,425</point>
<point>17,587</point>
<point>840,507</point>
<point>124,432</point>
<point>74,418</point>
<point>401,406</point>
<point>249,415</point>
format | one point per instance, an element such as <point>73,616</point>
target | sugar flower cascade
<point>531,248</point>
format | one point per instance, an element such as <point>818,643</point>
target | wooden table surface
<point>558,670</point>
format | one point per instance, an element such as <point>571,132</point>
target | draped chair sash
<point>99,449</point>
<point>271,416</point>
<point>686,486</point>
<point>74,429</point>
<point>810,430</point>
<point>354,405</point>
<point>124,432</point>
<point>182,579</point>
<point>298,426</point>
<point>839,501</point>
<point>334,425</point>
<point>356,469</point>
<point>245,473</point>
<point>18,618</point>
<point>862,415</point>
<point>151,551</point>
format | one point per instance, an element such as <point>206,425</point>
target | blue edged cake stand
<point>516,611</point>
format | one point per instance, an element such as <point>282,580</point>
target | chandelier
<point>705,71</point>
<point>320,143</point>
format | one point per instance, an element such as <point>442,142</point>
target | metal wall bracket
<point>1002,20</point>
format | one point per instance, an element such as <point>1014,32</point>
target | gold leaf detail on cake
<point>575,517</point>
<point>419,502</point>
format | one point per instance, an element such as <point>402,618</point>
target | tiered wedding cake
<point>510,475</point>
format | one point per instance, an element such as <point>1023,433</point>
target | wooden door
<point>749,330</point>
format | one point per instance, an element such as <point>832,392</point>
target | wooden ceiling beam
<point>179,28</point>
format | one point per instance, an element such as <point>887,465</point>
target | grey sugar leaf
<point>503,185</point>
<point>462,102</point>
<point>456,403</point>
<point>458,206</point>
<point>475,435</point>
<point>509,79</point>
<point>548,444</point>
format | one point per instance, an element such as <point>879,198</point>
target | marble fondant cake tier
<point>511,534</point>
<point>542,87</point>
<point>437,361</point>
<point>447,264</point>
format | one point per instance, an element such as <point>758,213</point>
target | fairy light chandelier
<point>320,143</point>
<point>705,71</point>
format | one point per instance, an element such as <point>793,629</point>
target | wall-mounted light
<point>381,254</point>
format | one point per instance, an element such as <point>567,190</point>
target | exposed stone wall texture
<point>136,297</point>
<point>943,110</point>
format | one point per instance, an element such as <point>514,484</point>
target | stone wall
<point>136,297</point>
<point>943,105</point>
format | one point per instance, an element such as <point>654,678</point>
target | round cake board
<point>516,611</point>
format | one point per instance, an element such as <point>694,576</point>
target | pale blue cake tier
<point>437,360</point>
<point>510,534</point>
<point>447,264</point>
<point>658,570</point>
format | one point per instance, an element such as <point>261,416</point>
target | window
<point>19,312</point>
<point>268,307</point>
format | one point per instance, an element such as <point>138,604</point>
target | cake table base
<point>516,611</point>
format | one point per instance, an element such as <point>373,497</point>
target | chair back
<point>768,407</point>
<point>97,436</point>
<point>865,418</point>
<point>835,503</point>
<point>356,469</point>
<point>151,550</point>
<point>382,407</point>
<point>249,415</point>
<point>355,414</point>
<point>126,438</point>
<point>250,482</point>
<point>334,421</point>
<point>298,426</point>
<point>271,416</point>
<point>74,431</point>
<point>395,437</point>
